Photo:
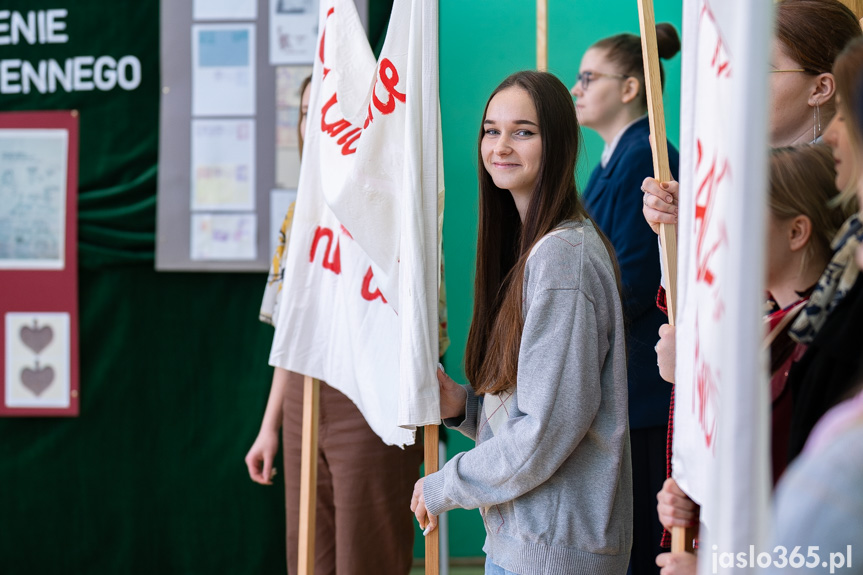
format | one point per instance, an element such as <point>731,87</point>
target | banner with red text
<point>359,307</point>
<point>721,419</point>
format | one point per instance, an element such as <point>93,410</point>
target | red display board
<point>39,371</point>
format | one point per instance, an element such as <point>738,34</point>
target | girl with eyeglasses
<point>611,99</point>
<point>809,36</point>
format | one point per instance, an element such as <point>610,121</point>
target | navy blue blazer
<point>613,200</point>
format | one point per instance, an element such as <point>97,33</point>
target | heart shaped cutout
<point>37,380</point>
<point>37,338</point>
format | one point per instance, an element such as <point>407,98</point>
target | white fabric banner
<point>359,309</point>
<point>721,420</point>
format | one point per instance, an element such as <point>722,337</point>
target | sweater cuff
<point>466,424</point>
<point>433,493</point>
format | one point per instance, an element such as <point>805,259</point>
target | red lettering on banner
<point>332,128</point>
<point>718,310</point>
<point>336,127</point>
<point>348,139</point>
<point>334,263</point>
<point>704,209</point>
<point>321,46</point>
<point>388,76</point>
<point>367,294</point>
<point>713,179</point>
<point>346,148</point>
<point>720,63</point>
<point>706,394</point>
<point>348,135</point>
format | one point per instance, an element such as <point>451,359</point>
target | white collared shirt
<point>609,148</point>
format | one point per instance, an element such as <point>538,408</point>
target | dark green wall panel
<point>150,478</point>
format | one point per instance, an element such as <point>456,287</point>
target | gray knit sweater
<point>551,470</point>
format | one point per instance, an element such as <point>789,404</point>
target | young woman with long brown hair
<point>546,358</point>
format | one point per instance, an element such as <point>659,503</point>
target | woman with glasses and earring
<point>809,36</point>
<point>610,98</point>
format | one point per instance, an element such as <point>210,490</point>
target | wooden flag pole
<point>309,475</point>
<point>681,538</point>
<point>431,465</point>
<point>661,169</point>
<point>542,35</point>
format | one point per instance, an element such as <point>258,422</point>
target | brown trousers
<point>363,522</point>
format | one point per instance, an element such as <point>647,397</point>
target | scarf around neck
<point>838,278</point>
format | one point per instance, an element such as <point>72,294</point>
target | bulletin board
<point>228,150</point>
<point>39,372</point>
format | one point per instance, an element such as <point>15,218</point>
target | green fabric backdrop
<point>118,130</point>
<point>150,478</point>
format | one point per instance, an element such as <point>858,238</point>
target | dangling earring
<point>816,121</point>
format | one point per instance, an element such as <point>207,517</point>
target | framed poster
<point>32,198</point>
<point>39,372</point>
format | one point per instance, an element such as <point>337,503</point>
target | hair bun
<point>667,40</point>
